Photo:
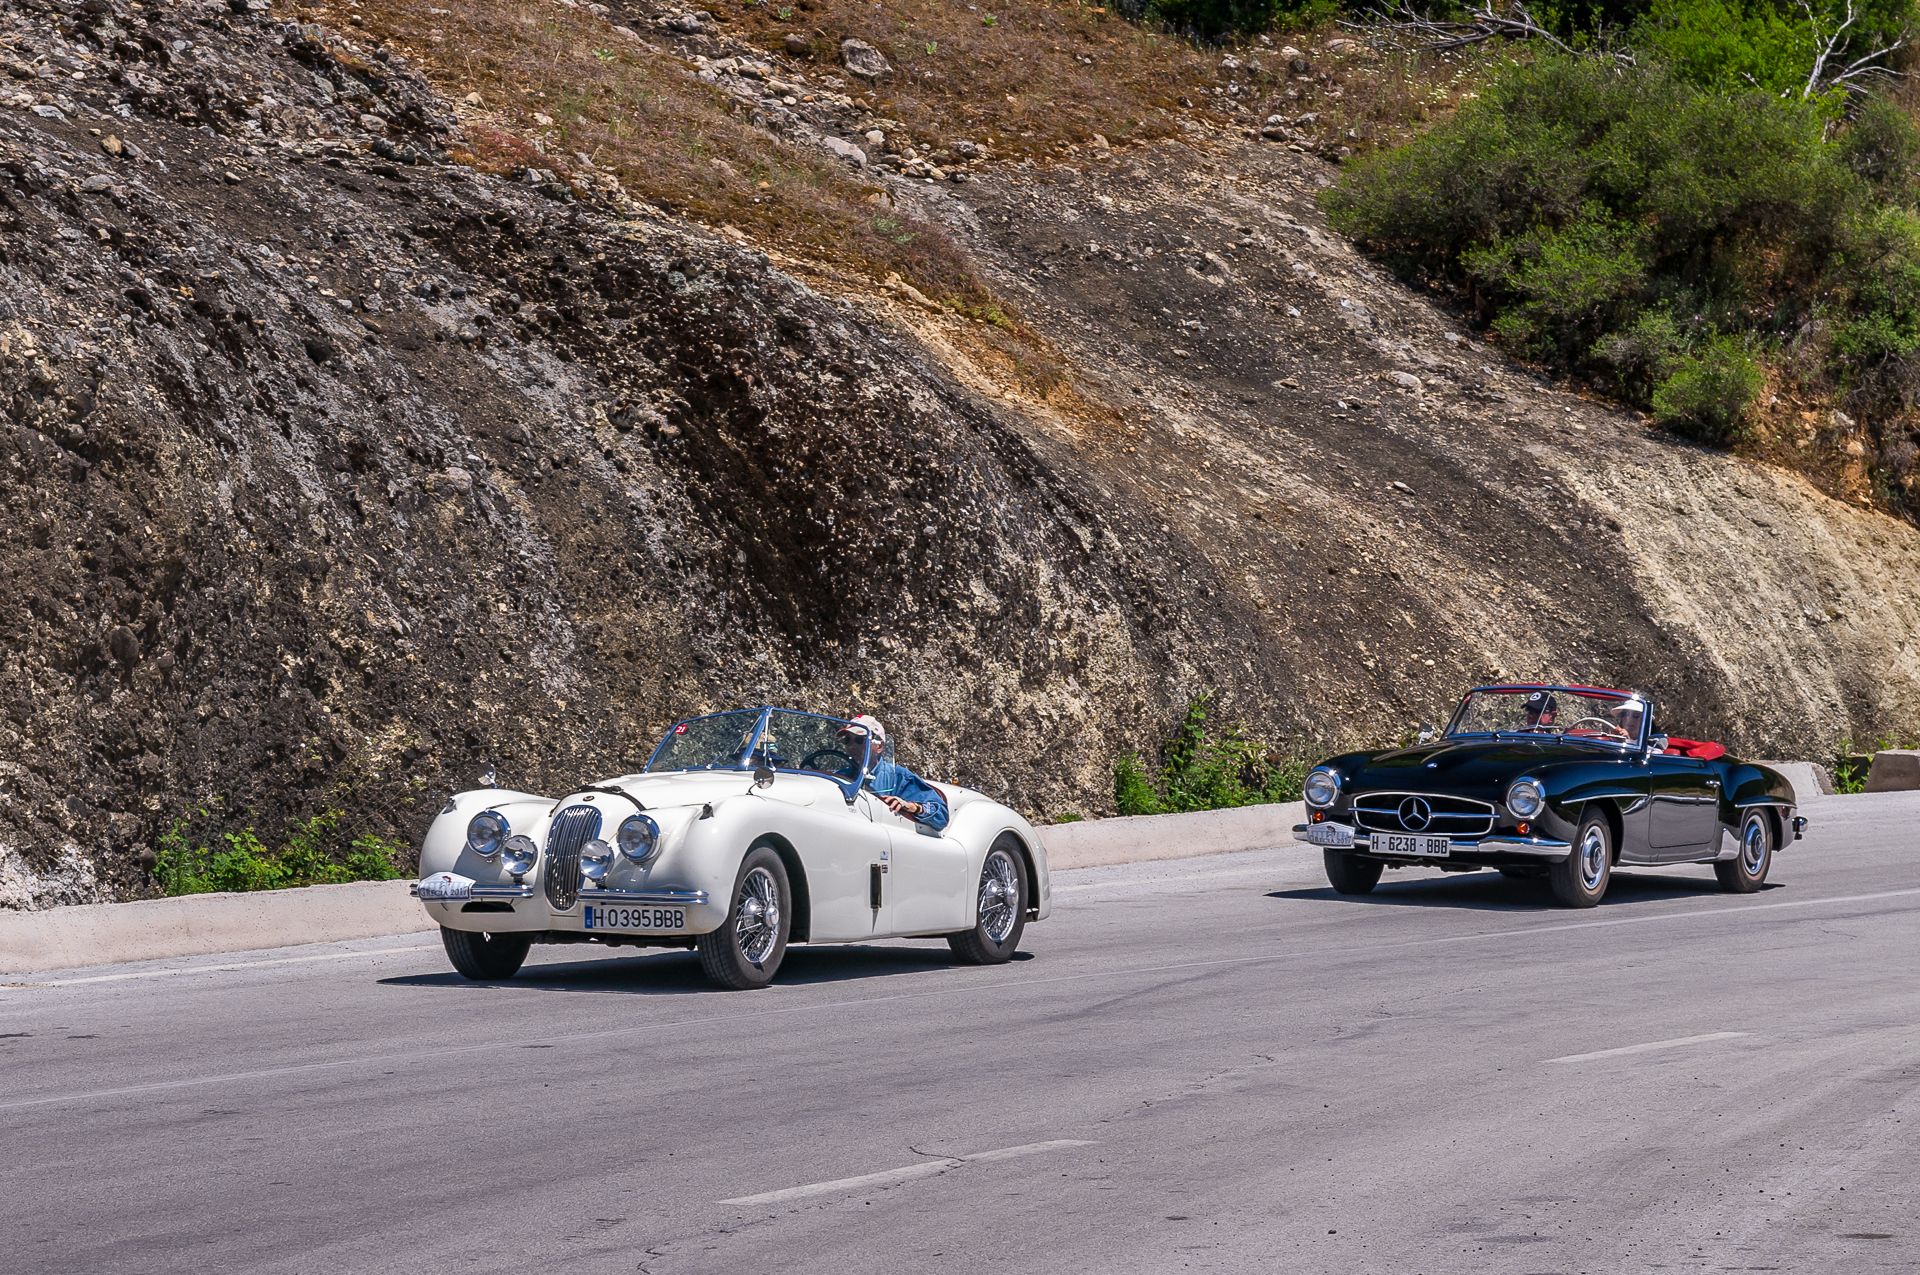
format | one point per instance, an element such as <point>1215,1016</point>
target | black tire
<point>1350,874</point>
<point>1580,881</point>
<point>1747,871</point>
<point>485,958</point>
<point>745,952</point>
<point>1002,908</point>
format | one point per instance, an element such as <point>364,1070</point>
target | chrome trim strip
<point>478,892</point>
<point>1507,843</point>
<point>669,898</point>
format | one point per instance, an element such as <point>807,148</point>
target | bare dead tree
<point>1856,75</point>
<point>1406,27</point>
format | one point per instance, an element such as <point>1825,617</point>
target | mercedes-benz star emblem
<point>1415,814</point>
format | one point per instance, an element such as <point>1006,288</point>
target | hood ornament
<point>489,780</point>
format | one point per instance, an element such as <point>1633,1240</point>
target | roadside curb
<point>203,924</point>
<point>1097,843</point>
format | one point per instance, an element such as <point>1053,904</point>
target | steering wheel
<point>1612,730</point>
<point>845,772</point>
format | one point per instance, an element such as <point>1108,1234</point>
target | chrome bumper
<point>660,898</point>
<point>1542,848</point>
<point>665,898</point>
<point>475,892</point>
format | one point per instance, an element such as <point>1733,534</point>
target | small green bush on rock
<point>316,851</point>
<point>1707,393</point>
<point>1201,771</point>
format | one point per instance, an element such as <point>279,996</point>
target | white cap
<point>872,726</point>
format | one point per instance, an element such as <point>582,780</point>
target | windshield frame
<point>1588,692</point>
<point>745,761</point>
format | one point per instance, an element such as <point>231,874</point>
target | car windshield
<point>782,738</point>
<point>1566,712</point>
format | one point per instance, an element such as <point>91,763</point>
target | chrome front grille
<point>571,829</point>
<point>1426,812</point>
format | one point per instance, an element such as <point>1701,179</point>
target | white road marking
<point>982,984</point>
<point>1647,1048</point>
<point>906,1173</point>
<point>235,965</point>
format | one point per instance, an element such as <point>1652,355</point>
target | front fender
<point>977,825</point>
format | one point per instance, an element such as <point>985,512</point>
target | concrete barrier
<point>1894,770</point>
<point>1096,843</point>
<point>199,924</point>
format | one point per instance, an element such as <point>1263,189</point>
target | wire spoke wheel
<point>1001,907</point>
<point>746,951</point>
<point>756,923</point>
<point>999,896</point>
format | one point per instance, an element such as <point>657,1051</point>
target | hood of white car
<point>693,787</point>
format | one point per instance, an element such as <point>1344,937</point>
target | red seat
<point>1697,749</point>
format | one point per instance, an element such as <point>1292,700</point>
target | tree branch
<point>1406,26</point>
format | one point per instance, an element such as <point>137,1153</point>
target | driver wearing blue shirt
<point>905,793</point>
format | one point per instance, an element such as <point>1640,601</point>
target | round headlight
<point>595,858</point>
<point>1322,787</point>
<point>638,837</point>
<point>485,832</point>
<point>1526,798</point>
<point>519,854</point>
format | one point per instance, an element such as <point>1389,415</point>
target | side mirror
<point>1426,732</point>
<point>1657,744</point>
<point>762,774</point>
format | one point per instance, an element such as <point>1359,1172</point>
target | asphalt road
<point>1213,1064</point>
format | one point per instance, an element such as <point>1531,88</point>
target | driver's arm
<point>927,805</point>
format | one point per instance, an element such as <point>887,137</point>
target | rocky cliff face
<point>333,472</point>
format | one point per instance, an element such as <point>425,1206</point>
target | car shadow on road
<point>1491,892</point>
<point>675,973</point>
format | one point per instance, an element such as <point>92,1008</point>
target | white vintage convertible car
<point>746,830</point>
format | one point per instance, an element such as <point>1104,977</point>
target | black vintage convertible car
<point>1556,781</point>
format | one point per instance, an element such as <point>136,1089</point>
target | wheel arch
<point>802,927</point>
<point>1026,861</point>
<point>1609,809</point>
<point>1776,822</point>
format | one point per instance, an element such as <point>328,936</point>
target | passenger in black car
<point>1542,708</point>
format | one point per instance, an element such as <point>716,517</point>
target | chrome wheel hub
<point>756,922</point>
<point>999,896</point>
<point>1593,858</point>
<point>1753,847</point>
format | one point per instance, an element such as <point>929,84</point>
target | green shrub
<point>1133,792</point>
<point>1201,771</point>
<point>315,852</point>
<point>1880,147</point>
<point>1764,44</point>
<point>1676,238</point>
<point>1707,393</point>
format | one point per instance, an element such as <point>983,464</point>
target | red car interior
<point>1699,750</point>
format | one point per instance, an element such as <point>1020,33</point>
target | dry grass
<point>673,141</point>
<point>1375,101</point>
<point>1043,77</point>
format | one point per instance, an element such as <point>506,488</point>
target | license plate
<point>445,886</point>
<point>601,916</point>
<point>1404,843</point>
<point>1336,835</point>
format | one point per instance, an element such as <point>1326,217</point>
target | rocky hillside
<point>335,470</point>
